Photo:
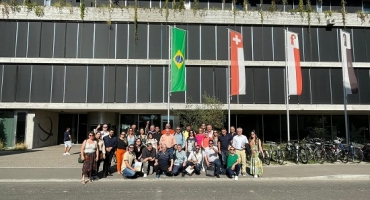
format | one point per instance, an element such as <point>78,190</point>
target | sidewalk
<point>48,164</point>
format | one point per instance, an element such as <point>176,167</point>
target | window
<point>367,7</point>
<point>319,6</point>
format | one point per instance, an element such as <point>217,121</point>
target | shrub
<point>21,146</point>
<point>2,144</point>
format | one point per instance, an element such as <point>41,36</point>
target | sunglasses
<point>131,147</point>
<point>177,129</point>
<point>91,135</point>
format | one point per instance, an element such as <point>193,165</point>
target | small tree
<point>209,112</point>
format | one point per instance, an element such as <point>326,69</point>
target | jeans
<point>177,168</point>
<point>235,171</point>
<point>170,150</point>
<point>128,172</point>
<point>223,158</point>
<point>197,167</point>
<point>161,168</point>
<point>217,164</point>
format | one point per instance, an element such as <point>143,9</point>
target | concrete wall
<point>42,129</point>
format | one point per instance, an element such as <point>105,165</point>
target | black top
<point>146,153</point>
<point>157,136</point>
<point>66,136</point>
<point>138,151</point>
<point>122,144</point>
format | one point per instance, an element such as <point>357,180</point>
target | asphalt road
<point>211,189</point>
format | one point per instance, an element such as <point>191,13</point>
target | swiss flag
<point>237,68</point>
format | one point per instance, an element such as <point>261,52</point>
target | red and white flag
<point>237,68</point>
<point>349,77</point>
<point>293,63</point>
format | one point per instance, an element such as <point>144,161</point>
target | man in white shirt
<point>239,142</point>
<point>211,157</point>
<point>195,161</point>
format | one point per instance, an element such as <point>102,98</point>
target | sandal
<point>90,181</point>
<point>83,181</point>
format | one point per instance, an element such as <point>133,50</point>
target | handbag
<point>80,159</point>
<point>210,170</point>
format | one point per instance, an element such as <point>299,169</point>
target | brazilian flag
<point>178,44</point>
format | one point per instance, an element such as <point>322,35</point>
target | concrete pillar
<point>30,121</point>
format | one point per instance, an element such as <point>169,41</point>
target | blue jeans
<point>235,171</point>
<point>128,172</point>
<point>223,158</point>
<point>176,169</point>
<point>170,150</point>
<point>217,164</point>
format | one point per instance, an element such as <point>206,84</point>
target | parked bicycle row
<point>315,150</point>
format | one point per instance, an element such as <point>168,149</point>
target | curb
<point>331,177</point>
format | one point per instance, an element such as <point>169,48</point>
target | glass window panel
<point>143,84</point>
<point>23,83</point>
<point>75,91</point>
<point>34,39</point>
<point>7,38</point>
<point>95,84</point>
<point>41,83</point>
<point>58,84</point>
<point>85,40</point>
<point>261,86</point>
<point>9,83</point>
<point>320,86</point>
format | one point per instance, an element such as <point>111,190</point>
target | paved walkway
<point>48,164</point>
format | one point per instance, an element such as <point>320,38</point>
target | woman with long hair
<point>190,143</point>
<point>101,147</point>
<point>256,168</point>
<point>122,145</point>
<point>143,136</point>
<point>138,148</point>
<point>89,154</point>
<point>131,137</point>
<point>152,141</point>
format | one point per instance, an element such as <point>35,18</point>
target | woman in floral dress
<point>256,148</point>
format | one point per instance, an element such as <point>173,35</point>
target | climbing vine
<point>343,11</point>
<point>82,9</point>
<point>196,6</point>
<point>135,22</point>
<point>272,6</point>
<point>309,11</point>
<point>261,11</point>
<point>362,16</point>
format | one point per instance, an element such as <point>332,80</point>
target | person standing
<point>89,154</point>
<point>110,143</point>
<point>168,140</point>
<point>143,136</point>
<point>211,157</point>
<point>67,142</point>
<point>157,135</point>
<point>233,166</point>
<point>168,126</point>
<point>186,132</point>
<point>129,157</point>
<point>256,168</point>
<point>152,141</point>
<point>179,137</point>
<point>148,158</point>
<point>239,142</point>
<point>232,131</point>
<point>122,145</point>
<point>224,141</point>
<point>199,137</point>
<point>190,143</point>
<point>210,131</point>
<point>163,161</point>
<point>131,137</point>
<point>101,148</point>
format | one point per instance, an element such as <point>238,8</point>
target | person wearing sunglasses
<point>89,154</point>
<point>179,137</point>
<point>194,161</point>
<point>128,170</point>
<point>110,143</point>
<point>233,164</point>
<point>211,157</point>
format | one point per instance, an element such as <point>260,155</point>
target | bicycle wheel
<point>303,155</point>
<point>267,157</point>
<point>343,156</point>
<point>358,156</point>
<point>333,157</point>
<point>280,157</point>
<point>319,156</point>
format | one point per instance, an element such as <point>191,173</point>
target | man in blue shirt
<point>179,137</point>
<point>224,141</point>
<point>163,161</point>
<point>67,142</point>
<point>110,143</point>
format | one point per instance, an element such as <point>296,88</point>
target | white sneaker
<point>255,176</point>
<point>64,154</point>
<point>145,175</point>
<point>244,174</point>
<point>68,154</point>
<point>236,178</point>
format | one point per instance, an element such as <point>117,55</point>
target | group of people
<point>171,152</point>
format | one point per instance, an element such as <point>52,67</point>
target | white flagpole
<point>228,82</point>
<point>169,73</point>
<point>287,86</point>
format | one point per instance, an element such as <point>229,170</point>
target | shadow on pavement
<point>13,152</point>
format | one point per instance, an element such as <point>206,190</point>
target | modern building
<point>58,71</point>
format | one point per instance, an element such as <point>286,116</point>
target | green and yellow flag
<point>178,44</point>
